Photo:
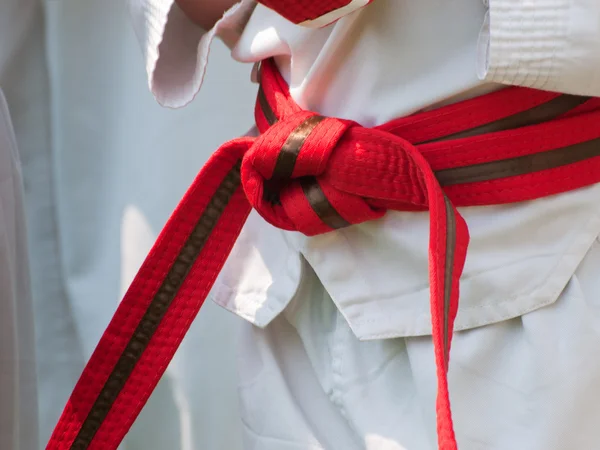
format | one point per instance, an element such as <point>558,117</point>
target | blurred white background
<point>104,166</point>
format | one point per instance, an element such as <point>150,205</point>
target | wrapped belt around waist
<point>313,174</point>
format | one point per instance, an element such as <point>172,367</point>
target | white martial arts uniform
<point>336,354</point>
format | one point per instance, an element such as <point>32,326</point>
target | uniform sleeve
<point>176,50</point>
<point>552,45</point>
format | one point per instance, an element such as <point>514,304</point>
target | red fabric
<point>298,11</point>
<point>362,172</point>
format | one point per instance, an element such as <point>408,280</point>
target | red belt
<point>313,174</point>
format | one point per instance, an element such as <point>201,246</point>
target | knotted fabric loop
<point>284,175</point>
<point>280,161</point>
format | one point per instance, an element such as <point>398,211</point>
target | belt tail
<point>158,308</point>
<point>449,238</point>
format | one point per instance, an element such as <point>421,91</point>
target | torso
<point>390,59</point>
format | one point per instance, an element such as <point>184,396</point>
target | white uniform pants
<point>530,383</point>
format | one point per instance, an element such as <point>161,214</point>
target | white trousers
<point>530,383</point>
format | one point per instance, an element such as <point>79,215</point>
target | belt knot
<point>286,175</point>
